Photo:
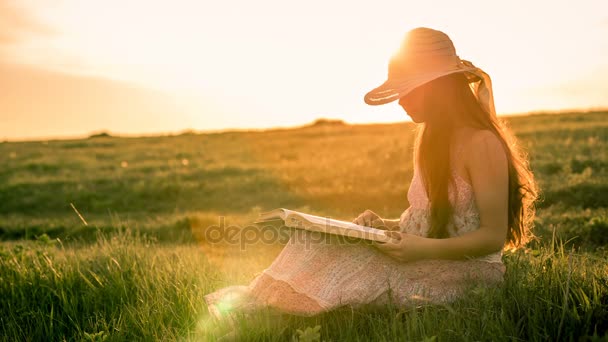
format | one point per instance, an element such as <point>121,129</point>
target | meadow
<point>104,238</point>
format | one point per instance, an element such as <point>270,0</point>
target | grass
<point>139,269</point>
<point>128,288</point>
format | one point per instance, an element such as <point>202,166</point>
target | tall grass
<point>129,288</point>
<point>123,287</point>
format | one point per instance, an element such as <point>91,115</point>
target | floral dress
<point>312,275</point>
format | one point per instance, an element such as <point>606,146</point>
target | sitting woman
<point>471,196</point>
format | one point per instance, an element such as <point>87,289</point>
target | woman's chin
<point>415,118</point>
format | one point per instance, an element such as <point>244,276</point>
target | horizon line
<point>269,128</point>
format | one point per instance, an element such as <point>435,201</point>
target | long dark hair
<point>450,100</point>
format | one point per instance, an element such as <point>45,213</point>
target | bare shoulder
<point>484,141</point>
<point>485,151</point>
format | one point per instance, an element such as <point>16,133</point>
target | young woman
<point>471,195</point>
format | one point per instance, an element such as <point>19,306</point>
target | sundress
<point>313,275</point>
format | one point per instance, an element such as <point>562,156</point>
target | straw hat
<point>425,55</point>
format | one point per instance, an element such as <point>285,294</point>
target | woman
<point>471,196</point>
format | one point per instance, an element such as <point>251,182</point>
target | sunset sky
<point>72,67</point>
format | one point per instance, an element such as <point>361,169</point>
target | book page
<point>345,228</point>
<point>274,214</point>
<point>296,219</point>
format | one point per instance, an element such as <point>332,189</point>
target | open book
<point>300,220</point>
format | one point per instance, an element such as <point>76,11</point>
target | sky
<point>69,68</point>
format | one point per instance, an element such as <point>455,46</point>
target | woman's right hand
<point>369,218</point>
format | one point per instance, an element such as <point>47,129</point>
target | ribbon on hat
<point>482,88</point>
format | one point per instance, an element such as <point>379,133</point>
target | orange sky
<point>72,67</point>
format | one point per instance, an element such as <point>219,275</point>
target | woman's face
<point>414,102</point>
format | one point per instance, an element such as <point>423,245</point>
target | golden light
<point>274,63</point>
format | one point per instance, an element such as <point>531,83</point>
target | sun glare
<point>271,63</point>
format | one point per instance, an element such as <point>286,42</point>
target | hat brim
<point>392,90</point>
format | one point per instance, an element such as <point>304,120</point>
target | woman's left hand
<point>404,247</point>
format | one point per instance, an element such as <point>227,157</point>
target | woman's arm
<point>488,170</point>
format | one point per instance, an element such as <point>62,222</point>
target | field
<point>105,238</point>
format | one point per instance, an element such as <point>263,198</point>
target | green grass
<point>127,287</point>
<point>140,268</point>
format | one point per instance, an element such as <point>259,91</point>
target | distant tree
<point>328,122</point>
<point>100,135</point>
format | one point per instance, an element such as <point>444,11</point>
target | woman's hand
<point>404,247</point>
<point>369,218</point>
